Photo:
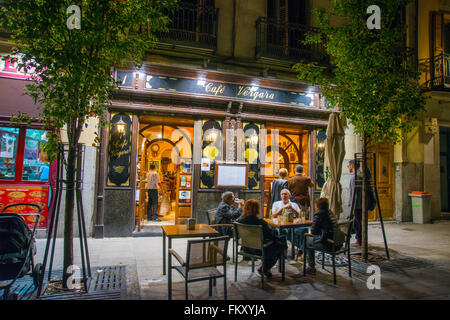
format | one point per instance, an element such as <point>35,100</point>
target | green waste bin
<point>421,206</point>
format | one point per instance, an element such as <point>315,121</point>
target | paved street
<point>429,279</point>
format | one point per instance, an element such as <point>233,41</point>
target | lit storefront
<point>26,176</point>
<point>187,121</point>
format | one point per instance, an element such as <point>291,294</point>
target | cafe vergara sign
<point>209,88</point>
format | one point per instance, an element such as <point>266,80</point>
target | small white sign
<point>206,164</point>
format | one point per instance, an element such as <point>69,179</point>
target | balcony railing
<point>192,25</point>
<point>283,41</point>
<point>436,71</point>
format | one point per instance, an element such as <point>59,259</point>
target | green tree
<point>372,76</point>
<point>72,77</point>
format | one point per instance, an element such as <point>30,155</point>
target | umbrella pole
<point>378,205</point>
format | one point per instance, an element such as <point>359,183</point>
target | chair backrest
<point>211,215</point>
<point>205,253</point>
<point>251,235</point>
<point>343,233</point>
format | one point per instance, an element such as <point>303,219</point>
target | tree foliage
<point>373,78</point>
<point>72,77</point>
<point>71,68</point>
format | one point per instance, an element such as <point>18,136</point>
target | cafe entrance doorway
<point>165,142</point>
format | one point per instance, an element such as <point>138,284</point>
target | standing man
<point>299,186</point>
<point>355,192</point>
<point>152,185</point>
<point>278,185</point>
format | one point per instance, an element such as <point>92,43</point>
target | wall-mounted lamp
<point>321,145</point>
<point>254,139</point>
<point>120,125</point>
<point>212,137</point>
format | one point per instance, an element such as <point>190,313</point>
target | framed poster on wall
<point>233,175</point>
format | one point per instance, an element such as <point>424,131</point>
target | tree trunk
<point>364,218</point>
<point>68,212</point>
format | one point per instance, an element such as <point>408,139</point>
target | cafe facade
<point>186,121</point>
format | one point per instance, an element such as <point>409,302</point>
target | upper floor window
<point>194,22</point>
<point>281,32</point>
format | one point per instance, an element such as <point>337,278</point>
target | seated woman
<point>274,250</point>
<point>322,229</point>
<point>227,212</point>
<point>286,204</point>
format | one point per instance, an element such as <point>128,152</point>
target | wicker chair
<point>202,259</point>
<point>210,215</point>
<point>251,236</point>
<point>336,247</point>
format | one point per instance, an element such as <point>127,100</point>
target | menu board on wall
<point>26,194</point>
<point>231,175</point>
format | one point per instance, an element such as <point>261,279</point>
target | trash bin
<point>421,207</point>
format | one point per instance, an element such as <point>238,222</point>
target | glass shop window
<point>211,152</point>
<point>8,151</point>
<point>251,153</point>
<point>35,164</point>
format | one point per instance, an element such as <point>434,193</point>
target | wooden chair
<point>210,215</point>
<point>202,259</point>
<point>251,236</point>
<point>335,249</point>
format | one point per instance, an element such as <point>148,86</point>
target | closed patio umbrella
<point>334,157</point>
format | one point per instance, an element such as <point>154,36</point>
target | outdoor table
<point>179,231</point>
<point>282,224</point>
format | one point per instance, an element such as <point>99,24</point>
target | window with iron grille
<point>194,22</point>
<point>280,33</point>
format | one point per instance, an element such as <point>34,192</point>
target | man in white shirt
<point>286,204</point>
<point>152,185</point>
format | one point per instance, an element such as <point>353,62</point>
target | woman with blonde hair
<point>274,250</point>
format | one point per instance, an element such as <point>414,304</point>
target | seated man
<point>227,212</point>
<point>323,229</point>
<point>286,204</point>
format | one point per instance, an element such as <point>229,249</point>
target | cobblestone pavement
<point>426,244</point>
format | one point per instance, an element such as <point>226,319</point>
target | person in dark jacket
<point>273,251</point>
<point>322,229</point>
<point>227,212</point>
<point>278,185</point>
<point>355,188</point>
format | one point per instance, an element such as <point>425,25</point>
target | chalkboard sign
<point>231,175</point>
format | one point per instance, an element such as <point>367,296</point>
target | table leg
<point>292,243</point>
<point>164,254</point>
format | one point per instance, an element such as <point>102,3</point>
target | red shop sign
<point>28,194</point>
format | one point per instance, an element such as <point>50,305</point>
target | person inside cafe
<point>299,186</point>
<point>227,212</point>
<point>322,229</point>
<point>285,204</point>
<point>273,251</point>
<point>278,185</point>
<point>153,183</point>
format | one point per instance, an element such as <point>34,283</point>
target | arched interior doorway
<point>167,144</point>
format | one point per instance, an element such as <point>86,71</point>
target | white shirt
<point>277,205</point>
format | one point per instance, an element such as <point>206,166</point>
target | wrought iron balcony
<point>283,41</point>
<point>436,71</point>
<point>192,25</point>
